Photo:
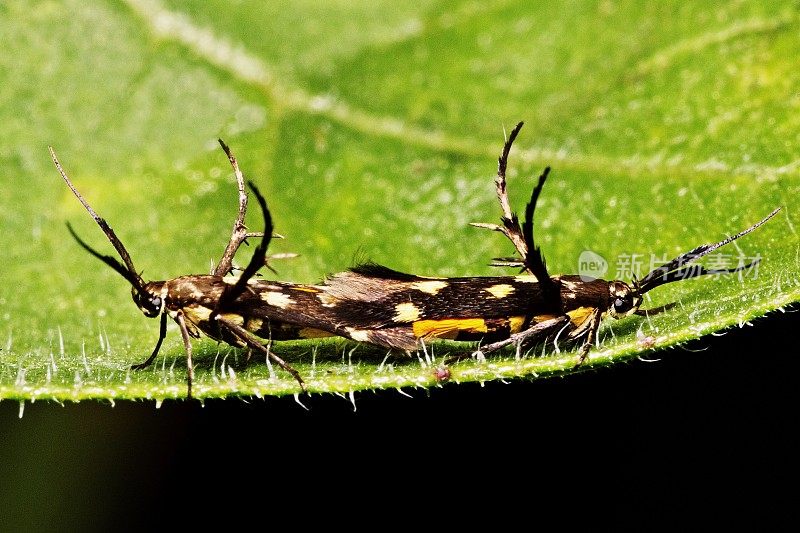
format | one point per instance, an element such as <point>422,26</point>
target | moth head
<point>149,301</point>
<point>144,295</point>
<point>624,300</point>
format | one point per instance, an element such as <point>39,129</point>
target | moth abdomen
<point>433,299</point>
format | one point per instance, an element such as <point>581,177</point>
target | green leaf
<point>373,129</point>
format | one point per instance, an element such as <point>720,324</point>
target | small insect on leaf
<point>374,304</point>
<point>397,310</point>
<point>239,310</point>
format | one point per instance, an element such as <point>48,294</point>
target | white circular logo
<point>591,265</point>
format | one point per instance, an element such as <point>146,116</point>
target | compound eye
<point>150,304</point>
<point>622,305</point>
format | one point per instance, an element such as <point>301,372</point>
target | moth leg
<point>534,261</point>
<point>239,233</point>
<point>162,332</point>
<point>591,335</point>
<point>523,337</point>
<point>510,228</point>
<point>521,237</point>
<point>187,343</point>
<point>655,310</point>
<point>256,262</point>
<point>254,344</point>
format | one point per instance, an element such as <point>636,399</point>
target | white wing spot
<point>196,293</point>
<point>526,278</point>
<point>430,287</point>
<point>327,300</point>
<point>278,299</point>
<point>406,312</point>
<point>360,335</point>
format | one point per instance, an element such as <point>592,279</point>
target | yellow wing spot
<point>197,313</point>
<point>304,289</point>
<point>578,316</point>
<point>253,324</point>
<point>278,299</point>
<point>430,287</point>
<point>526,278</point>
<point>406,312</point>
<point>361,335</point>
<point>448,328</point>
<point>515,323</point>
<point>233,317</point>
<point>313,333</point>
<point>500,290</point>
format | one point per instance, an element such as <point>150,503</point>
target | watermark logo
<point>591,265</point>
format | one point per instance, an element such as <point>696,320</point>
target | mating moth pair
<point>373,304</point>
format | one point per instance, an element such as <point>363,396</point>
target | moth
<point>239,310</point>
<point>397,310</point>
<point>374,304</point>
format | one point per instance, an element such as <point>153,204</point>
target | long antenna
<point>128,271</point>
<point>675,270</point>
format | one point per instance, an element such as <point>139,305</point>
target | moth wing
<point>401,338</point>
<point>368,282</point>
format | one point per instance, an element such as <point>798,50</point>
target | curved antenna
<point>132,277</point>
<point>676,270</point>
<point>128,271</point>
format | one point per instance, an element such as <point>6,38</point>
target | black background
<point>707,431</point>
